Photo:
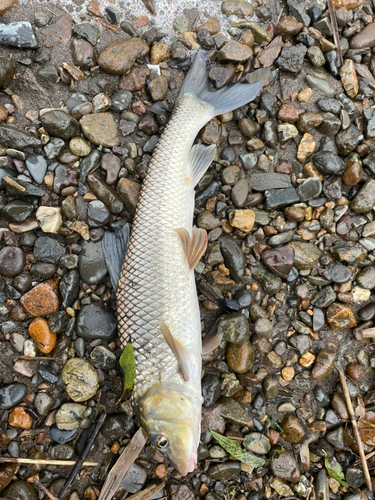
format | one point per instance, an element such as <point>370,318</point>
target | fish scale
<point>154,282</point>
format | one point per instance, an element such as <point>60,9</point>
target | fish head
<point>172,422</point>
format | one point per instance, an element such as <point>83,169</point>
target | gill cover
<point>172,422</point>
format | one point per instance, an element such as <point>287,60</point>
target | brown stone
<point>42,335</point>
<point>210,132</point>
<point>18,417</point>
<point>274,436</point>
<point>339,405</point>
<point>347,4</point>
<point>353,173</point>
<point>322,42</point>
<point>242,219</point>
<point>243,397</point>
<point>41,300</point>
<point>212,25</point>
<point>159,53</point>
<point>304,95</point>
<point>340,316</point>
<point>18,313</point>
<point>94,8</point>
<point>219,280</point>
<point>3,113</point>
<point>324,364</point>
<point>120,54</point>
<point>354,371</point>
<point>284,168</point>
<point>306,147</point>
<point>349,77</point>
<point>292,427</point>
<point>287,113</point>
<point>247,38</point>
<point>284,466</point>
<point>288,26</point>
<point>235,52</point>
<point>365,38</point>
<point>180,492</point>
<point>6,5</point>
<point>135,80</point>
<point>7,471</point>
<point>83,54</point>
<point>310,170</point>
<point>296,214</point>
<point>158,88</point>
<point>101,129</point>
<point>129,193</point>
<point>142,21</point>
<point>240,358</point>
<point>307,121</point>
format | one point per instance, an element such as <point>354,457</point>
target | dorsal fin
<point>194,246</point>
<point>178,350</point>
<point>115,245</point>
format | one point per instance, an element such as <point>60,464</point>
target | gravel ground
<point>288,275</point>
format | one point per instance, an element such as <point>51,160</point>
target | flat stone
<point>92,266</point>
<point>291,58</point>
<point>324,364</point>
<point>279,260</point>
<point>19,35</point>
<point>60,124</point>
<point>120,54</point>
<point>49,219</point>
<point>320,84</point>
<point>264,181</point>
<point>41,300</point>
<point>279,198</point>
<point>234,412</point>
<point>12,261</point>
<point>15,137</point>
<point>306,254</point>
<point>365,38</point>
<point>240,358</point>
<point>47,249</point>
<point>364,201</point>
<point>101,129</point>
<point>12,394</point>
<point>235,52</point>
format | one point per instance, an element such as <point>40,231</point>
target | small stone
<point>41,300</point>
<point>285,466</point>
<point>306,254</point>
<point>234,412</point>
<point>324,364</point>
<point>60,124</point>
<point>287,113</point>
<point>96,322</point>
<point>349,78</point>
<point>120,54</point>
<point>281,487</point>
<point>37,166</point>
<point>320,85</point>
<point>158,88</point>
<point>304,95</point>
<point>159,53</point>
<point>257,443</point>
<point>101,129</point>
<point>316,56</point>
<point>293,430</point>
<point>240,358</point>
<point>310,188</point>
<point>49,218</point>
<point>242,219</point>
<point>364,39</point>
<point>353,173</point>
<point>79,146</point>
<point>18,417</point>
<point>41,334</point>
<point>69,416</point>
<point>364,201</point>
<point>7,470</point>
<point>235,52</point>
<point>233,328</point>
<point>306,147</point>
<point>291,58</point>
<point>81,379</point>
<point>12,261</point>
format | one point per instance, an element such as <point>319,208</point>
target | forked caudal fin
<point>222,101</point>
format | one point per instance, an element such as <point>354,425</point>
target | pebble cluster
<point>288,275</point>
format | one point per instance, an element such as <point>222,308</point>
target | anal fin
<point>200,159</point>
<point>178,350</point>
<point>194,246</point>
<point>115,246</point>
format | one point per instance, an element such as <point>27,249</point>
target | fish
<point>157,304</point>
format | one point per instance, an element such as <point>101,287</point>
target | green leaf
<point>275,424</point>
<point>127,363</point>
<point>334,469</point>
<point>234,449</point>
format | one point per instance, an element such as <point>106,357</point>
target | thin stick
<point>367,457</point>
<point>40,461</point>
<point>80,461</point>
<point>336,37</point>
<point>36,358</point>
<point>44,489</point>
<point>147,492</point>
<point>353,420</point>
<point>123,464</point>
<point>279,16</point>
<point>33,432</point>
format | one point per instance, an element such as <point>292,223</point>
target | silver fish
<point>157,302</point>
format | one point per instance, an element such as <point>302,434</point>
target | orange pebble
<point>161,470</point>
<point>18,417</point>
<point>40,332</point>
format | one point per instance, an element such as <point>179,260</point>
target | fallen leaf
<point>234,449</point>
<point>334,469</point>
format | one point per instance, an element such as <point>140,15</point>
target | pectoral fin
<point>200,159</point>
<point>178,350</point>
<point>194,246</point>
<point>211,341</point>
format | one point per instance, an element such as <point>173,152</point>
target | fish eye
<point>161,442</point>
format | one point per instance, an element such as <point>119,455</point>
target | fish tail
<point>221,101</point>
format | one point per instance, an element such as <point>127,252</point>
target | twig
<point>108,26</point>
<point>370,455</point>
<point>197,20</point>
<point>37,358</point>
<point>40,461</point>
<point>279,16</point>
<point>336,36</point>
<point>44,489</point>
<point>353,420</point>
<point>123,464</point>
<point>281,86</point>
<point>80,461</point>
<point>147,492</point>
<point>33,432</point>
